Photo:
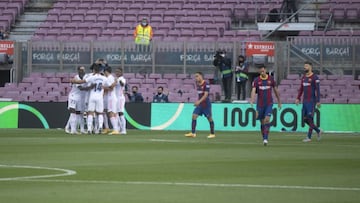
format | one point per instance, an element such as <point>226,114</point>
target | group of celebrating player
<point>263,86</point>
<point>100,96</point>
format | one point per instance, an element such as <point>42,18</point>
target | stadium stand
<point>107,20</point>
<point>55,87</point>
<point>10,9</point>
<point>173,21</point>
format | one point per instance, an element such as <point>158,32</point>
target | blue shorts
<point>308,109</point>
<point>264,111</point>
<point>203,111</point>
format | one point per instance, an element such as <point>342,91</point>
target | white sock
<point>67,126</point>
<point>73,122</point>
<point>100,121</point>
<point>90,122</point>
<point>119,122</point>
<point>81,121</point>
<point>123,123</point>
<point>106,121</point>
<point>114,123</point>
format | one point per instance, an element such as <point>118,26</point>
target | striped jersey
<point>264,88</point>
<point>310,88</point>
<point>201,89</point>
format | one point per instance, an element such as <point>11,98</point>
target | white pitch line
<point>300,143</point>
<point>66,172</point>
<point>224,185</point>
<point>217,142</point>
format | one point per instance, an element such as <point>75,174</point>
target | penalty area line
<point>219,185</point>
<point>65,172</point>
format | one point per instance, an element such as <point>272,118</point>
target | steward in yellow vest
<point>143,33</point>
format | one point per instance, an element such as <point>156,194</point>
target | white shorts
<point>74,103</point>
<point>96,105</point>
<point>112,104</point>
<point>82,106</point>
<point>121,105</point>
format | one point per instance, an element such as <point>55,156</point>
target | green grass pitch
<point>166,167</point>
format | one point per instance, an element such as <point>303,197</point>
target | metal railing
<point>330,55</point>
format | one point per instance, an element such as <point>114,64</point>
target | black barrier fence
<point>159,57</point>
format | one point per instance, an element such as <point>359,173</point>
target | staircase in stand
<point>25,25</point>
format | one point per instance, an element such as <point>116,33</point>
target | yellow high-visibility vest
<point>143,34</point>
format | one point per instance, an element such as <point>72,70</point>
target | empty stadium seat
<point>169,18</point>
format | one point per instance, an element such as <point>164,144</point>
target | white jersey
<point>110,81</point>
<point>120,89</point>
<point>99,81</point>
<point>75,92</point>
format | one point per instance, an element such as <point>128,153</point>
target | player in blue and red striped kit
<point>263,86</point>
<point>310,88</point>
<point>202,106</point>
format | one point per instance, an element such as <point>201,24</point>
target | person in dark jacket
<point>135,96</point>
<point>224,65</point>
<point>241,77</point>
<point>160,97</point>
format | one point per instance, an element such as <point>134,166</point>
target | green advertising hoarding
<point>9,114</point>
<point>177,116</point>
<point>241,117</point>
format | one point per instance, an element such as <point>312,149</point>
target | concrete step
<point>20,37</point>
<point>27,24</point>
<point>22,33</point>
<point>42,6</point>
<point>33,16</point>
<point>22,29</point>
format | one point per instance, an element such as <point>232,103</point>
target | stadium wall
<point>177,116</point>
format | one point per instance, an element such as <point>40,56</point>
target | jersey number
<point>98,87</point>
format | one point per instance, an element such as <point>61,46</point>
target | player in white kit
<point>96,102</point>
<point>76,104</point>
<point>111,100</point>
<point>120,90</point>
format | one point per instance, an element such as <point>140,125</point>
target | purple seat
<point>182,76</point>
<point>103,19</point>
<point>11,94</point>
<point>90,18</point>
<point>148,86</point>
<point>163,82</point>
<point>292,77</point>
<point>169,76</point>
<point>54,94</point>
<point>340,100</point>
<point>155,76</point>
<point>354,100</point>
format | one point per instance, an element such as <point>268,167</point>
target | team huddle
<point>100,95</point>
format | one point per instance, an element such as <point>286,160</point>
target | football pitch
<point>165,167</point>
